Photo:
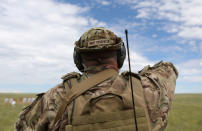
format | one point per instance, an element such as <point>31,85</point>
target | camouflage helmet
<point>98,39</point>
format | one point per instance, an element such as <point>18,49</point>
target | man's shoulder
<point>71,75</point>
<point>161,71</point>
<point>125,75</point>
<point>60,88</point>
<point>162,68</point>
<point>57,89</point>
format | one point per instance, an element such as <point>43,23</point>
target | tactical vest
<point>111,110</point>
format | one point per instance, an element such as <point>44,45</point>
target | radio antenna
<point>130,79</point>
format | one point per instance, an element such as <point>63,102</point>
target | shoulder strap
<point>139,98</point>
<point>140,101</point>
<point>82,87</point>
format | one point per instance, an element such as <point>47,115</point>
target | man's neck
<point>91,70</point>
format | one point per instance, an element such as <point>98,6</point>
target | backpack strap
<point>139,99</point>
<point>68,85</point>
<point>82,87</point>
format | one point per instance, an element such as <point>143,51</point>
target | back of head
<point>98,40</point>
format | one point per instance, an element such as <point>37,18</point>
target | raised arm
<point>159,85</point>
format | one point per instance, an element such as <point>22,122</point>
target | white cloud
<point>190,32</point>
<point>96,22</point>
<point>190,71</point>
<point>37,39</point>
<point>185,16</point>
<point>191,67</point>
<point>193,46</point>
<point>201,63</point>
<point>200,48</point>
<point>103,2</point>
<point>192,78</point>
<point>143,13</point>
<point>138,62</point>
<point>154,35</point>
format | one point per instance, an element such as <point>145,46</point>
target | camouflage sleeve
<point>41,113</point>
<point>159,85</point>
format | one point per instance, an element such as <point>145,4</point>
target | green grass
<point>185,115</point>
<point>9,113</point>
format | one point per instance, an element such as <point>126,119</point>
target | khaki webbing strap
<point>139,100</point>
<point>66,84</point>
<point>85,85</point>
<point>82,87</point>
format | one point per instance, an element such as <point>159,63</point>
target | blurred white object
<point>33,99</point>
<point>24,100</point>
<point>6,100</point>
<point>11,100</point>
<point>29,100</point>
<point>13,103</point>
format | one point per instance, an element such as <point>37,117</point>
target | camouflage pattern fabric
<point>158,84</point>
<point>98,39</point>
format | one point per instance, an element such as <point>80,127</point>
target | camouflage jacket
<point>158,84</point>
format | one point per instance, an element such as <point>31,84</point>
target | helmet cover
<point>98,39</point>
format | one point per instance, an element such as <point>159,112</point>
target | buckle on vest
<point>68,128</point>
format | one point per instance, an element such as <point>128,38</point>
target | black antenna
<point>131,84</point>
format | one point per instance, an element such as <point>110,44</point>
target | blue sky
<point>37,38</point>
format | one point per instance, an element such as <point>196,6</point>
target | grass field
<point>8,113</point>
<point>185,115</point>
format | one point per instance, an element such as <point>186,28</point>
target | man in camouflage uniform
<point>107,104</point>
